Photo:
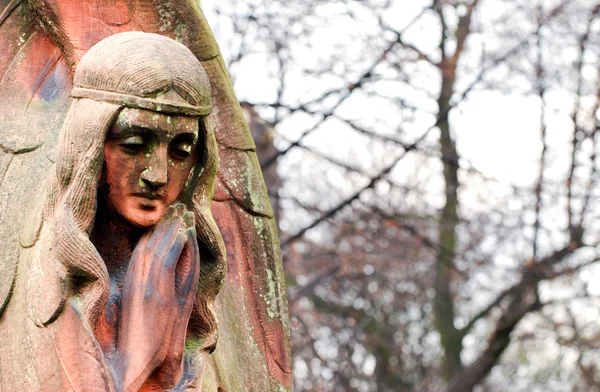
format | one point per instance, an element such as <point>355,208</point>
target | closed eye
<point>181,150</point>
<point>132,144</point>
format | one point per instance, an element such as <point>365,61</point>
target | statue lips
<point>150,195</point>
<point>150,200</point>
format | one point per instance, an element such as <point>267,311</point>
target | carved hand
<point>186,285</point>
<point>158,293</point>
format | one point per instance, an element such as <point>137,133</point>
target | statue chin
<point>143,218</point>
<point>142,213</point>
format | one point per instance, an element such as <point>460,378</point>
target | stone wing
<point>41,41</point>
<point>34,94</point>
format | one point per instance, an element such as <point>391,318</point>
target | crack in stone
<point>20,150</point>
<point>3,176</point>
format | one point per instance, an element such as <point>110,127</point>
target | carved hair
<point>139,70</point>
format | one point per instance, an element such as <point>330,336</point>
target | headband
<point>171,102</point>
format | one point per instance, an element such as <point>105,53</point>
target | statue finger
<point>188,269</point>
<point>162,270</point>
<point>174,253</point>
<point>190,253</point>
<point>143,275</point>
<point>180,221</point>
<point>186,279</point>
<point>162,227</point>
<point>137,266</point>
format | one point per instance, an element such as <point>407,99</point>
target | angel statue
<point>139,249</point>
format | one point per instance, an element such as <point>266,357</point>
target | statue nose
<point>155,174</point>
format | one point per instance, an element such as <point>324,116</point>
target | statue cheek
<point>181,172</point>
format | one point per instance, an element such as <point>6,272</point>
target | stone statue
<point>116,276</point>
<point>125,263</point>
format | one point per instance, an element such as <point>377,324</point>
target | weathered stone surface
<point>20,192</point>
<point>252,302</point>
<point>231,129</point>
<point>35,88</point>
<point>243,182</point>
<point>34,82</point>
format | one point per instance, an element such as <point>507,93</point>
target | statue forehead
<point>157,122</point>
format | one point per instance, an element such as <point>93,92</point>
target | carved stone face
<point>148,157</point>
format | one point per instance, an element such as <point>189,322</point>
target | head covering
<point>146,71</point>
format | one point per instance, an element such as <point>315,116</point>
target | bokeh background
<point>434,170</point>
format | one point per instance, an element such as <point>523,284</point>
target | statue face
<point>148,157</point>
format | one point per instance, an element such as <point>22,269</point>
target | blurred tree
<point>438,186</point>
